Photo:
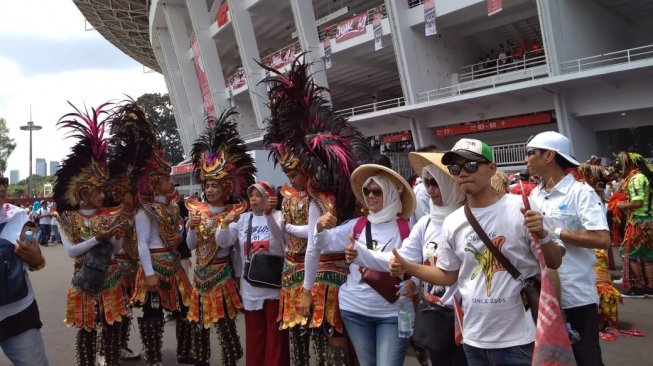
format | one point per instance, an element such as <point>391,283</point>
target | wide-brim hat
<point>419,160</point>
<point>363,172</point>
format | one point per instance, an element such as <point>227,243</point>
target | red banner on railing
<point>237,80</point>
<point>185,168</point>
<point>209,107</point>
<point>223,14</point>
<point>351,27</point>
<point>495,124</point>
<point>396,137</point>
<point>494,6</point>
<point>281,58</point>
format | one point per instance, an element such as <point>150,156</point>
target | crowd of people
<point>507,54</point>
<point>332,258</point>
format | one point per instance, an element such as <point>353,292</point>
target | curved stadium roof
<point>124,23</point>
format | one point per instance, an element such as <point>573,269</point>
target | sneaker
<point>634,293</point>
<point>185,360</point>
<point>649,293</point>
<point>128,354</point>
<point>618,282</point>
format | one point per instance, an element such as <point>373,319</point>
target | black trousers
<point>585,320</point>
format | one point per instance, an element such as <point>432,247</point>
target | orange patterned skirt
<point>111,301</point>
<point>172,278</point>
<point>214,290</point>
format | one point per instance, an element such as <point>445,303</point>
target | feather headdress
<point>131,137</point>
<point>85,168</point>
<point>303,129</point>
<point>220,154</point>
<point>149,165</point>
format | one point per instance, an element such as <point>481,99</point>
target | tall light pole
<point>30,126</point>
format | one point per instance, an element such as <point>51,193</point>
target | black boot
<point>151,336</point>
<point>201,345</point>
<point>184,338</point>
<point>111,344</point>
<point>85,343</point>
<point>125,352</point>
<point>319,341</point>
<point>299,345</point>
<point>232,351</point>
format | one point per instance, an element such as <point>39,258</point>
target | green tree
<point>7,145</point>
<point>158,109</point>
<point>20,189</point>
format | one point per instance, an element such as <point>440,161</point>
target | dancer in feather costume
<point>90,234</point>
<point>317,150</point>
<point>225,170</point>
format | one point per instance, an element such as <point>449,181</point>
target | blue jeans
<point>376,340</point>
<point>25,349</point>
<point>44,234</point>
<point>510,356</point>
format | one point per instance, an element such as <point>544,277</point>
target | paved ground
<point>50,285</point>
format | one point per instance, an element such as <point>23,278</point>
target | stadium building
<point>408,73</point>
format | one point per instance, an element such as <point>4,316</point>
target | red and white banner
<point>429,18</point>
<point>351,28</point>
<point>281,58</point>
<point>237,80</point>
<point>396,137</point>
<point>495,124</point>
<point>376,26</point>
<point>494,6</point>
<point>223,14</point>
<point>179,169</point>
<point>209,107</point>
<point>326,42</point>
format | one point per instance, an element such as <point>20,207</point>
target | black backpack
<point>13,282</point>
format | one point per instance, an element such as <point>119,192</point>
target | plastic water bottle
<point>29,234</point>
<point>406,316</point>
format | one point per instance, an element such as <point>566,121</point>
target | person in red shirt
<point>525,177</point>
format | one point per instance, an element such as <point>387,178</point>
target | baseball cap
<point>470,149</point>
<point>551,140</point>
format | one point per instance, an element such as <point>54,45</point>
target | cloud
<point>53,19</point>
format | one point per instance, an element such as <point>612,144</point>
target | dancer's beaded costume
<point>85,170</point>
<point>219,155</point>
<point>305,135</point>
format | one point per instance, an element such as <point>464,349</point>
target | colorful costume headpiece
<point>149,163</point>
<point>85,168</point>
<point>220,154</point>
<point>304,131</point>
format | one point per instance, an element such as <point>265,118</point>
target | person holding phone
<point>225,170</point>
<point>91,234</point>
<point>20,323</point>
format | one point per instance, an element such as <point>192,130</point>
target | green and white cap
<point>470,149</point>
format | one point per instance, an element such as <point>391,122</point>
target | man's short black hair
<point>563,163</point>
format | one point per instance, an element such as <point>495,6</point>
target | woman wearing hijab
<point>421,245</point>
<point>258,231</point>
<point>369,319</point>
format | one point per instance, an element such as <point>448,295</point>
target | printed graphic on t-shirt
<point>257,244</point>
<point>433,293</point>
<point>486,261</point>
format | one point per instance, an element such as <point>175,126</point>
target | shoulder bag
<point>530,293</point>
<point>262,269</point>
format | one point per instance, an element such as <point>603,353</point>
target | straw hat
<point>360,175</point>
<point>418,160</point>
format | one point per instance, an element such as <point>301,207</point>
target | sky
<point>48,58</point>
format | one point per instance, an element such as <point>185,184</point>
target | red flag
<point>552,346</point>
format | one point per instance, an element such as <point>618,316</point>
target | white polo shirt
<point>573,205</point>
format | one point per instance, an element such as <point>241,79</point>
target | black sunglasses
<point>376,192</point>
<point>470,167</point>
<point>430,182</point>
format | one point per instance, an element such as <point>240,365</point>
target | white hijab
<point>391,200</point>
<point>452,197</point>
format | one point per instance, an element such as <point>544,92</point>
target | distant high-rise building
<point>14,176</point>
<point>41,167</point>
<point>54,166</point>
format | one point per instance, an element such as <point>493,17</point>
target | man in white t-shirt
<point>575,214</point>
<point>44,223</point>
<point>497,329</point>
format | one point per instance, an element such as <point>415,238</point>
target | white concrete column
<point>309,38</point>
<point>405,52</point>
<point>581,135</point>
<point>176,90</point>
<point>208,53</point>
<point>248,49</point>
<point>175,16</point>
<point>551,34</point>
